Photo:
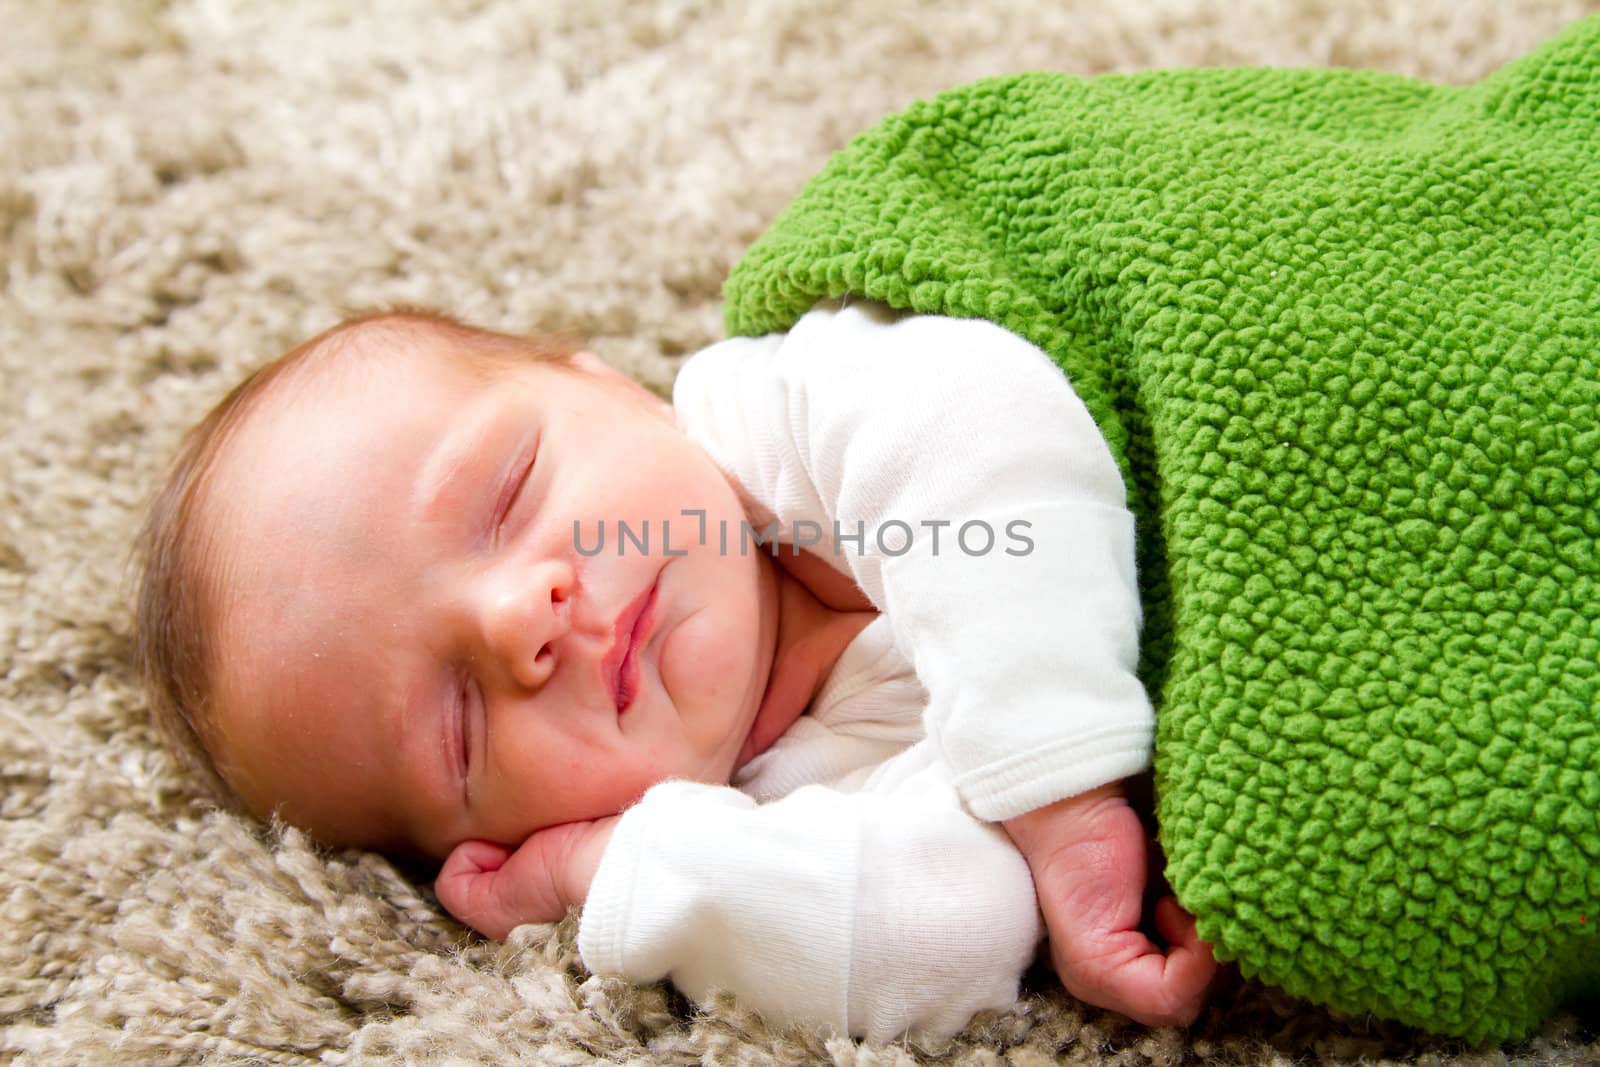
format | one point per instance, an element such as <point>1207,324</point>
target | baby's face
<point>412,650</point>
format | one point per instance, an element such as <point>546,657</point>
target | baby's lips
<point>628,627</point>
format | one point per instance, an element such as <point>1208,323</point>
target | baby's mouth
<point>622,662</point>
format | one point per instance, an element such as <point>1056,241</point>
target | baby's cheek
<point>706,664</point>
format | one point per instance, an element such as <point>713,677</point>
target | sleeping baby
<point>1329,336</point>
<point>802,687</point>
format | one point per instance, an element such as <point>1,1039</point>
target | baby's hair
<point>176,557</point>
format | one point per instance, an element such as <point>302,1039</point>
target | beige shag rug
<point>187,188</point>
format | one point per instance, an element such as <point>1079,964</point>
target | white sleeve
<point>1026,643</point>
<point>874,915</point>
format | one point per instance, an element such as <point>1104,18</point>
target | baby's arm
<point>1028,658</point>
<point>872,914</point>
<point>1024,626</point>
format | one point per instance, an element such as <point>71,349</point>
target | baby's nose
<point>524,618</point>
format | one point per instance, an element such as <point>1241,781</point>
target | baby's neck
<point>816,622</point>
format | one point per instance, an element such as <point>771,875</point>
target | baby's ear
<point>591,364</point>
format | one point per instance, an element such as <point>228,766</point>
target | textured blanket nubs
<point>1342,331</point>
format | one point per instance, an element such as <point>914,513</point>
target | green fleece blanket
<point>1342,331</point>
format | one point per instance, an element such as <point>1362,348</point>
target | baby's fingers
<point>1125,972</point>
<point>475,857</point>
<point>1191,968</point>
<point>1178,926</point>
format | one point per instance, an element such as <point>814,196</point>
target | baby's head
<point>364,606</point>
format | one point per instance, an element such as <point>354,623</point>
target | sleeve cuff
<point>1031,780</point>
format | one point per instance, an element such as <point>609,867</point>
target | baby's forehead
<point>349,428</point>
<point>350,356</point>
<point>485,355</point>
<point>421,348</point>
<point>372,377</point>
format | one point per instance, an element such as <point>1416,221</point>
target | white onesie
<point>852,877</point>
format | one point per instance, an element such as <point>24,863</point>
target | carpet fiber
<point>186,189</point>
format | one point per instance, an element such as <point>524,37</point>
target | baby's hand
<point>494,890</point>
<point>1088,857</point>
